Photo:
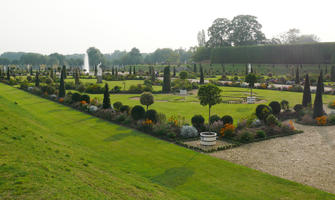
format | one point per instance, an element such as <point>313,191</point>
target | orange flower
<point>61,100</point>
<point>321,120</point>
<point>83,102</point>
<point>147,122</point>
<point>290,124</point>
<point>227,127</point>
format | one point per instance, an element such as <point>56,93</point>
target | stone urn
<point>208,138</point>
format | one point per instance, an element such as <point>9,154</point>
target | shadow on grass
<point>119,136</point>
<point>173,177</point>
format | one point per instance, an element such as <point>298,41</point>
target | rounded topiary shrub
<point>284,105</point>
<point>117,105</point>
<point>151,115</point>
<point>227,119</point>
<point>262,111</point>
<point>137,112</point>
<point>188,132</point>
<point>124,108</point>
<point>298,107</point>
<point>275,106</point>
<point>198,122</point>
<point>214,118</point>
<point>86,98</point>
<point>76,97</point>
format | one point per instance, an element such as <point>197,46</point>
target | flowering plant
<point>227,130</point>
<point>321,120</point>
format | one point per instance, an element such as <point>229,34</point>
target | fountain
<point>86,64</point>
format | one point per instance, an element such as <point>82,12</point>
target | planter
<point>208,138</point>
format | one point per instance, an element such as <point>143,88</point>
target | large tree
<point>209,95</point>
<point>246,30</point>
<point>251,79</point>
<point>307,98</point>
<point>219,33</point>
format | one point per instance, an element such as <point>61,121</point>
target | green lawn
<point>189,106</point>
<point>50,151</point>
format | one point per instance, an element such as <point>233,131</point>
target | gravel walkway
<point>307,158</point>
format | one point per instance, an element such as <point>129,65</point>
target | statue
<point>99,73</point>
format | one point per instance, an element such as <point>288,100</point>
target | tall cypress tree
<point>195,68</point>
<point>61,92</point>
<point>322,84</point>
<point>76,74</point>
<point>95,70</point>
<point>174,71</point>
<point>8,74</point>
<point>129,70</point>
<point>307,97</point>
<point>318,104</point>
<point>223,69</point>
<point>246,69</point>
<point>112,70</point>
<point>134,71</point>
<point>202,81</point>
<point>166,80</point>
<point>31,70</point>
<point>106,102</point>
<point>64,69</point>
<point>37,79</point>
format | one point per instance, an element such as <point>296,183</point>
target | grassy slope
<point>49,151</point>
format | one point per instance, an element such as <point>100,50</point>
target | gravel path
<point>307,158</point>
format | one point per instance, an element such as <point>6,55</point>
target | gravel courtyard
<point>307,158</point>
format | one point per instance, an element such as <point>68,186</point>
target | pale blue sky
<point>71,26</point>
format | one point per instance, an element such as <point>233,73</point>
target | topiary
<point>137,112</point>
<point>151,115</point>
<point>198,122</point>
<point>298,107</point>
<point>76,97</point>
<point>124,108</point>
<point>117,105</point>
<point>214,118</point>
<point>86,98</point>
<point>227,119</point>
<point>271,120</point>
<point>262,111</point>
<point>275,106</point>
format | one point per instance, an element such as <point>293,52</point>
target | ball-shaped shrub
<point>152,115</point>
<point>227,119</point>
<point>124,108</point>
<point>86,98</point>
<point>260,134</point>
<point>275,106</point>
<point>183,75</point>
<point>188,132</point>
<point>76,97</point>
<point>198,121</point>
<point>246,137</point>
<point>298,107</point>
<point>117,105</point>
<point>284,105</point>
<point>214,118</point>
<point>137,112</point>
<point>271,120</point>
<point>147,99</point>
<point>262,111</point>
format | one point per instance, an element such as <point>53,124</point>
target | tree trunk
<point>209,117</point>
<point>147,107</point>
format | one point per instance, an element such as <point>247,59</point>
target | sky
<point>72,26</point>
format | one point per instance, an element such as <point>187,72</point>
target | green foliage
<point>147,99</point>
<point>246,137</point>
<point>260,134</point>
<point>166,80</point>
<point>137,112</point>
<point>209,95</point>
<point>307,97</point>
<point>202,79</point>
<point>262,111</point>
<point>298,107</point>
<point>188,132</point>
<point>76,97</point>
<point>285,105</point>
<point>61,92</point>
<point>275,107</point>
<point>271,120</point>
<point>125,109</point>
<point>117,105</point>
<point>318,103</point>
<point>152,115</point>
<point>251,78</point>
<point>183,75</point>
<point>214,118</point>
<point>227,119</point>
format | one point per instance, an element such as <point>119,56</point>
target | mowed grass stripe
<point>50,151</point>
